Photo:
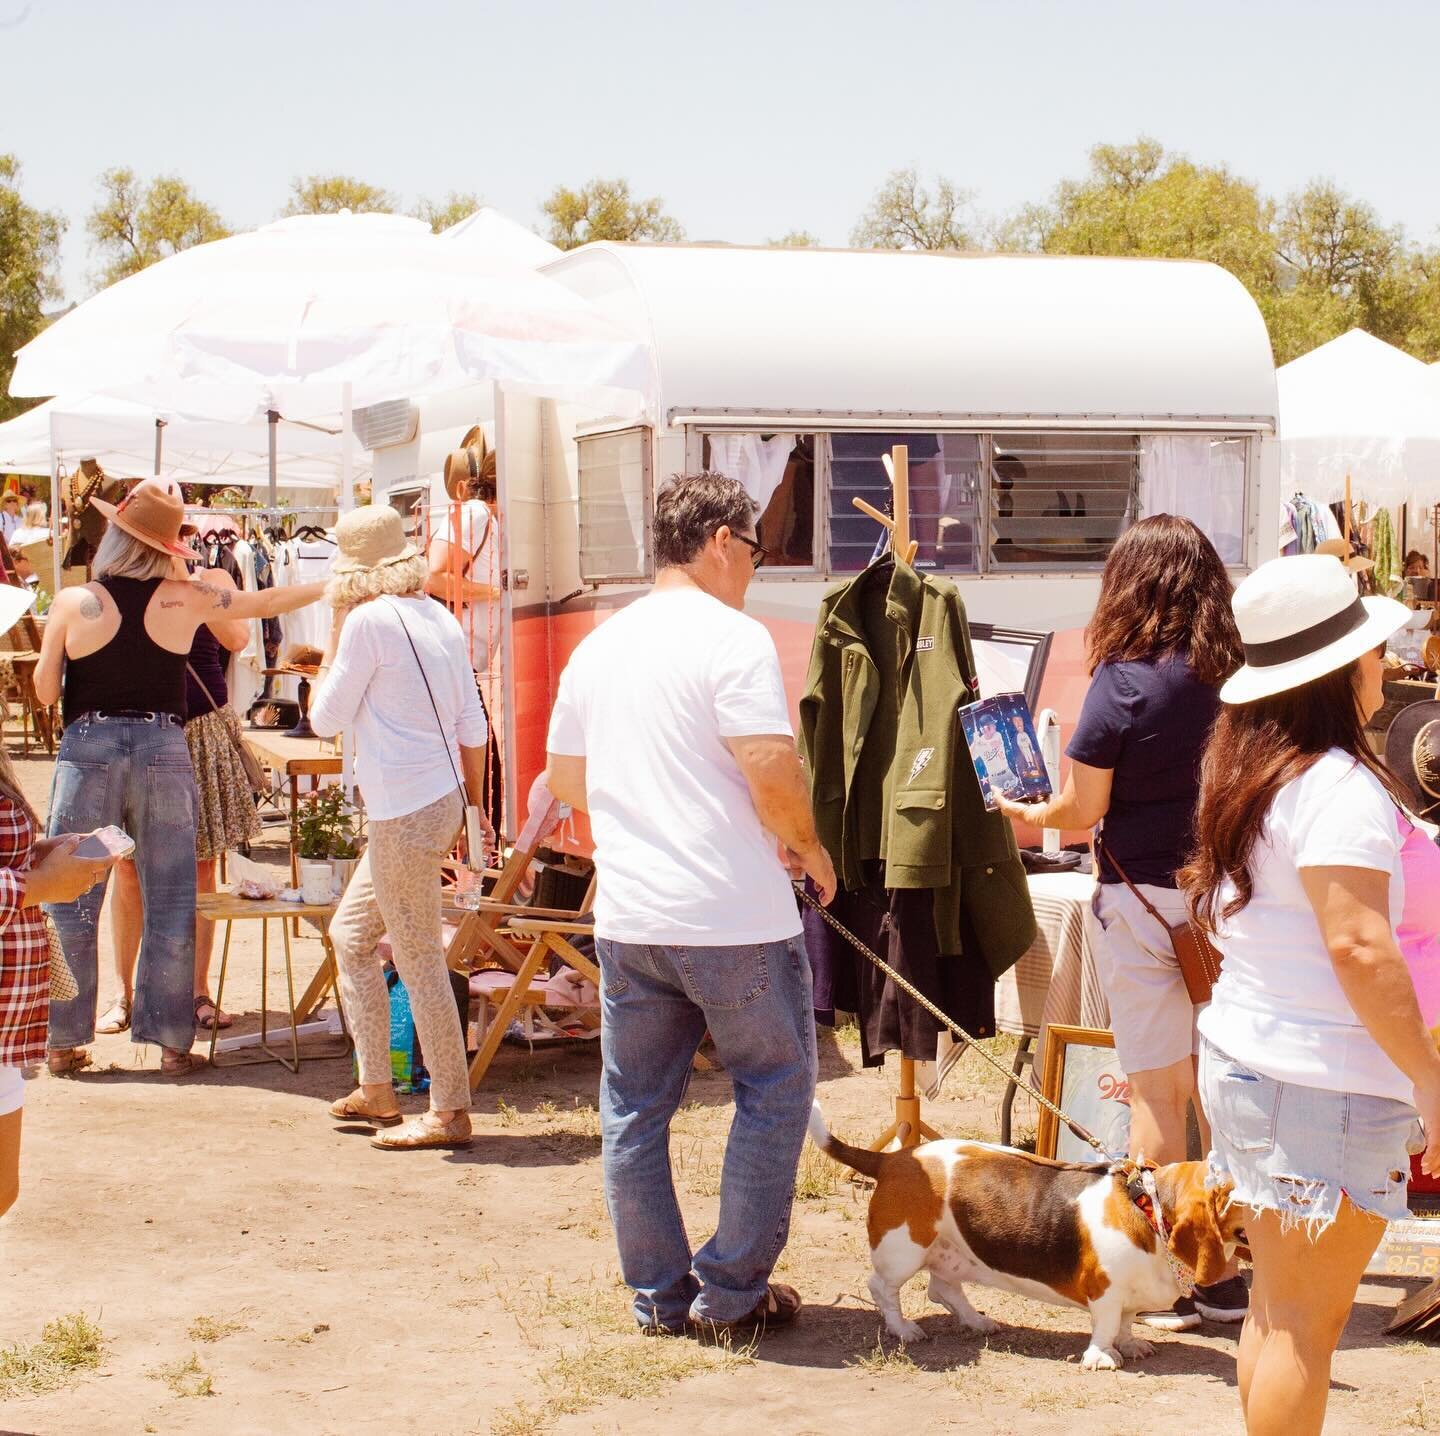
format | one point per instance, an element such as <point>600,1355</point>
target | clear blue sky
<point>749,119</point>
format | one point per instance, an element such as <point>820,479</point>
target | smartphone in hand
<point>108,844</point>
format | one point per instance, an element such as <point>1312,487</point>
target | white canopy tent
<point>1361,409</point>
<point>501,237</point>
<point>122,437</point>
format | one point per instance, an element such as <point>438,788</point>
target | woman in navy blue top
<point>1161,642</point>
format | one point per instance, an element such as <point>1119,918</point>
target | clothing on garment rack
<point>897,803</point>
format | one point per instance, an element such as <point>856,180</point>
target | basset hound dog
<point>1098,1236</point>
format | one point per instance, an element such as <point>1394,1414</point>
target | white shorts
<point>1151,1015</point>
<point>12,1090</point>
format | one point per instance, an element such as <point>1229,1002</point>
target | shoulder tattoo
<point>90,606</point>
<point>220,597</point>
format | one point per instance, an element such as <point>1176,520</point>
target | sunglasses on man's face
<point>758,554</point>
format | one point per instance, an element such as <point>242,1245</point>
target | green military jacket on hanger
<point>890,773</point>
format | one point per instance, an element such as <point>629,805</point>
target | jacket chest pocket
<point>920,829</point>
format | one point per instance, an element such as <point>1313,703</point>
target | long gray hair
<point>121,556</point>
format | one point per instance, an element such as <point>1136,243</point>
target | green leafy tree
<point>329,194</point>
<point>440,214</point>
<point>136,223</point>
<point>796,239</point>
<point>29,252</point>
<point>605,209</point>
<point>904,214</point>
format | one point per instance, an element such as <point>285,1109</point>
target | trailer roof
<point>853,335</point>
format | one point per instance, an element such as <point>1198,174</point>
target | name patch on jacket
<point>924,645</point>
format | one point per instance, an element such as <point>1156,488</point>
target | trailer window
<point>1059,501</point>
<point>946,472</point>
<point>778,471</point>
<point>1199,477</point>
<point>615,506</point>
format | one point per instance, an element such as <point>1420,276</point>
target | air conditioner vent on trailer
<point>384,426</point>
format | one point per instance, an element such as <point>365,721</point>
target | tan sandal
<point>423,1131</point>
<point>183,1064</point>
<point>353,1109</point>
<point>67,1061</point>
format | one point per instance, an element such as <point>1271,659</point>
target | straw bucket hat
<point>372,537</point>
<point>152,512</point>
<point>1412,753</point>
<point>1299,619</point>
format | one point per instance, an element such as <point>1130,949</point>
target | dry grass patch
<point>186,1378</point>
<point>213,1328</point>
<point>67,1346</point>
<point>886,1360</point>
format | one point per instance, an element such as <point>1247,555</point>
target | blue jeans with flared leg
<point>136,774</point>
<point>656,1004</point>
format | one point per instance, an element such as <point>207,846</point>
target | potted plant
<point>325,831</point>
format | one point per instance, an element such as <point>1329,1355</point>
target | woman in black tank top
<point>124,760</point>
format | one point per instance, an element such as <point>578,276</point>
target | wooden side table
<point>230,909</point>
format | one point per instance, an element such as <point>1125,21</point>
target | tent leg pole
<point>273,419</point>
<point>54,512</point>
<point>347,461</point>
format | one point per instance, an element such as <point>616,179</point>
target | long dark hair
<point>1254,750</point>
<point>1165,590</point>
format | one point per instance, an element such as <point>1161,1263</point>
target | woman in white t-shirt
<point>396,678</point>
<point>1316,1055</point>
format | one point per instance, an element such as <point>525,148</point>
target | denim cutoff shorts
<point>1296,1150</point>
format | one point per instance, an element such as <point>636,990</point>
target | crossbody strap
<point>1104,854</point>
<point>449,757</point>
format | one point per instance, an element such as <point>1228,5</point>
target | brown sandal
<point>779,1306</point>
<point>420,1132</point>
<point>183,1064</point>
<point>353,1109</point>
<point>67,1061</point>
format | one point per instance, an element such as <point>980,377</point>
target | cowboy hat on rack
<point>1299,619</point>
<point>1412,753</point>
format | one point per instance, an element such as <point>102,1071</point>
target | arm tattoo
<point>220,597</point>
<point>90,606</point>
<point>173,603</point>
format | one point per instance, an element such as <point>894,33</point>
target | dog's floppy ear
<point>1196,1235</point>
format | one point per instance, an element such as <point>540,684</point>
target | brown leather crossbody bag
<point>1198,957</point>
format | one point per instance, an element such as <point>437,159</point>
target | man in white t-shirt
<point>672,730</point>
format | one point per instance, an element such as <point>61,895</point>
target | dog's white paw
<point>907,1331</point>
<point>1102,1358</point>
<point>979,1323</point>
<point>1132,1348</point>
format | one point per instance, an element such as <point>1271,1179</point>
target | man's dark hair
<point>689,511</point>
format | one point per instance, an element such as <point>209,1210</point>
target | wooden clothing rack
<point>909,1128</point>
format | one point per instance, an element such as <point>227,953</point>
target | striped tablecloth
<point>1055,981</point>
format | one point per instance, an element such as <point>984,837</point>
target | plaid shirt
<point>24,948</point>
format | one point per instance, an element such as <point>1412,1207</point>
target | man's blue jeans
<point>657,1003</point>
<point>137,775</point>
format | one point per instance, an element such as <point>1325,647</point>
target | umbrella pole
<point>159,429</point>
<point>54,511</point>
<point>347,462</point>
<point>272,418</point>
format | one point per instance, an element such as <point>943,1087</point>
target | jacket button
<point>989,871</point>
<point>940,801</point>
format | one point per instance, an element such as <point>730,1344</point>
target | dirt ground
<point>255,1268</point>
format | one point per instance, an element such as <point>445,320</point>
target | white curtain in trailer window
<point>614,482</point>
<point>1199,477</point>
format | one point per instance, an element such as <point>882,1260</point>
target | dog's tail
<point>859,1159</point>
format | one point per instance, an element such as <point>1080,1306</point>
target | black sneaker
<point>1181,1317</point>
<point>1226,1300</point>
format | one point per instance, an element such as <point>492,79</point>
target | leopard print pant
<point>396,889</point>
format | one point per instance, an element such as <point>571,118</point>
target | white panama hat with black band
<point>1299,619</point>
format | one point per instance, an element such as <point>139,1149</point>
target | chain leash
<point>907,987</point>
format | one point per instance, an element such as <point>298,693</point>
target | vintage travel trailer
<point>1047,403</point>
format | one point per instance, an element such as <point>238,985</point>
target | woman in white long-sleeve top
<point>396,677</point>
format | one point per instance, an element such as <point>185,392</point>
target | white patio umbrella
<point>1359,408</point>
<point>308,313</point>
